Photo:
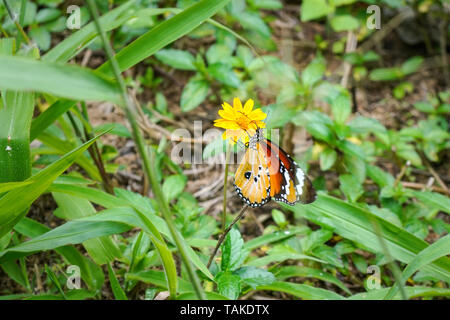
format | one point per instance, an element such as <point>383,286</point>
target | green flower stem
<point>149,169</point>
<point>225,180</point>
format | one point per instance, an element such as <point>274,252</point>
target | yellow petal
<point>252,126</point>
<point>226,124</point>
<point>226,106</point>
<point>237,105</point>
<point>248,106</point>
<point>260,124</point>
<point>227,115</point>
<point>257,114</point>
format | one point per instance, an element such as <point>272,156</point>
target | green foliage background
<point>374,214</point>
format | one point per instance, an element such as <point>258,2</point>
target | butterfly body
<point>266,172</point>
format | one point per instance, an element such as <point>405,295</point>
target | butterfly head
<point>255,139</point>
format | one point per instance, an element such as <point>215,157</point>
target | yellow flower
<point>240,122</point>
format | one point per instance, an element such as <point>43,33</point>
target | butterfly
<point>266,171</point>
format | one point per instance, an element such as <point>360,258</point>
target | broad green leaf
<point>143,47</point>
<point>351,187</point>
<point>177,59</point>
<point>254,277</point>
<point>15,272</point>
<point>273,237</point>
<point>302,291</point>
<point>344,22</point>
<point>91,273</point>
<point>101,250</point>
<point>411,65</point>
<point>68,81</point>
<point>341,108</point>
<point>229,285</point>
<point>77,41</point>
<point>356,224</point>
<point>386,74</point>
<point>165,33</point>
<point>313,72</point>
<point>440,248</point>
<point>6,186</point>
<point>158,278</point>
<point>327,159</point>
<point>224,74</point>
<point>194,93</point>
<point>411,292</point>
<point>313,9</point>
<point>297,271</point>
<point>432,199</point>
<point>232,250</point>
<point>173,186</point>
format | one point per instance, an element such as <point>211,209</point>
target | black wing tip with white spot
<point>247,201</point>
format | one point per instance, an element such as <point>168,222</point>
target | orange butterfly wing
<point>288,182</point>
<point>251,180</point>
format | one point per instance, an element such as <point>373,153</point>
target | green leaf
<point>16,202</point>
<point>379,176</point>
<point>327,159</point>
<point>232,250</point>
<point>341,108</point>
<point>194,93</point>
<point>433,199</point>
<point>273,237</point>
<point>344,22</point>
<point>355,223</point>
<point>254,277</point>
<point>68,81</point>
<point>253,21</point>
<point>218,53</point>
<point>229,285</point>
<point>411,65</point>
<point>91,273</point>
<point>177,59</point>
<point>279,255</point>
<point>117,290</point>
<point>279,218</point>
<point>173,186</point>
<point>315,239</point>
<point>165,33</point>
<point>302,291</point>
<point>411,292</point>
<point>6,186</point>
<point>158,278</point>
<point>313,9</point>
<point>224,74</point>
<point>107,222</point>
<point>320,131</point>
<point>313,72</point>
<point>386,74</point>
<point>42,38</point>
<point>440,248</point>
<point>351,187</point>
<point>101,250</point>
<point>296,271</point>
<point>77,41</point>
